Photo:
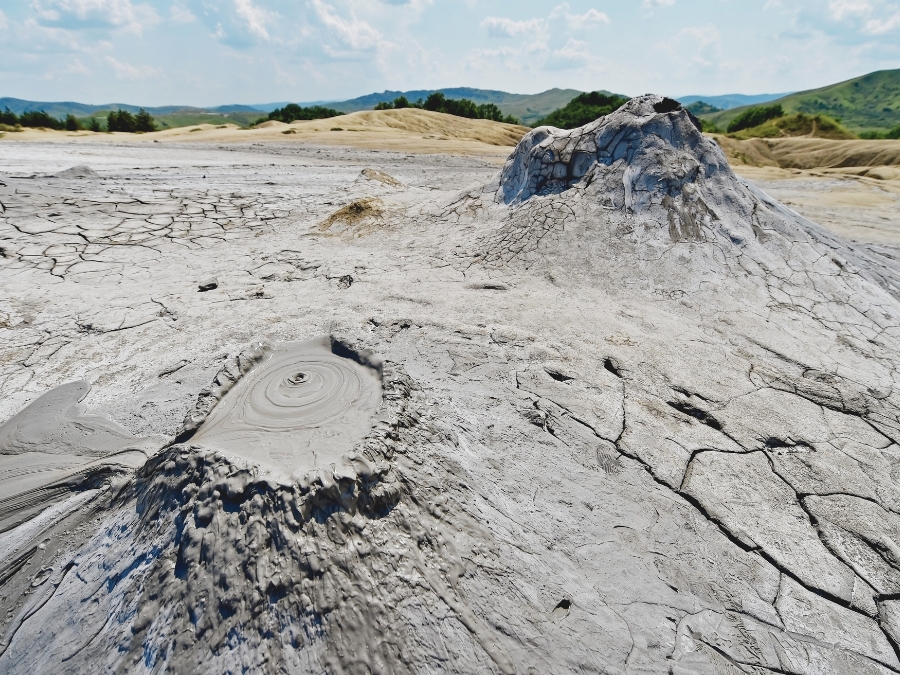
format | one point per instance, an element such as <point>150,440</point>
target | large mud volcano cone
<point>642,198</point>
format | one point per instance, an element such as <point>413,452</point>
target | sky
<point>214,52</point>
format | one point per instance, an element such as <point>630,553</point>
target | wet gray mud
<point>304,405</point>
<point>628,414</point>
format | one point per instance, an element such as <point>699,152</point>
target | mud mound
<point>80,171</point>
<point>642,198</point>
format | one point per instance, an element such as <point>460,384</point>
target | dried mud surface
<point>623,413</point>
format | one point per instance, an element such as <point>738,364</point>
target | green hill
<point>867,103</point>
<point>583,109</point>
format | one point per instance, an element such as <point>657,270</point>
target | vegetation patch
<point>870,103</point>
<point>355,219</point>
<point>813,126</point>
<point>755,117</point>
<point>583,109</point>
<point>116,120</point>
<point>702,108</point>
<point>293,112</point>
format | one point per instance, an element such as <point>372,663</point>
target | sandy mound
<point>424,122</point>
<point>811,153</point>
<point>409,130</point>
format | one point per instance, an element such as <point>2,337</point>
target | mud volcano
<point>630,415</point>
<point>303,405</point>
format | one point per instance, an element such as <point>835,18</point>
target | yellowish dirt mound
<point>408,130</point>
<point>811,153</point>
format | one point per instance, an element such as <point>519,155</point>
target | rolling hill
<point>870,102</point>
<point>729,101</point>
<point>527,108</point>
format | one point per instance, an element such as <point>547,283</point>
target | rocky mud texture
<point>611,410</point>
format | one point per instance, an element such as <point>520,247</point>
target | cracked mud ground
<point>637,417</point>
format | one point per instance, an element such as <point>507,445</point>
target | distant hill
<point>168,116</point>
<point>527,108</point>
<point>62,108</point>
<point>729,101</point>
<point>870,102</point>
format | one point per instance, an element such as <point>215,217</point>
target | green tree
<point>94,125</point>
<point>144,122</point>
<point>583,109</point>
<point>72,123</point>
<point>755,116</point>
<point>121,120</point>
<point>894,133</point>
<point>435,102</point>
<point>292,112</point>
<point>401,102</point>
<point>8,117</point>
<point>38,118</point>
<point>384,105</point>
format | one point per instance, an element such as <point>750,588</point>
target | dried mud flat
<point>611,410</point>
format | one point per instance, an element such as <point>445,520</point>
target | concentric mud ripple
<point>302,407</point>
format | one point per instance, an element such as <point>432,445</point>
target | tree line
<point>293,112</point>
<point>116,120</point>
<point>463,107</point>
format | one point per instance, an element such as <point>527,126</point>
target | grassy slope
<point>812,126</point>
<point>529,109</point>
<point>868,102</point>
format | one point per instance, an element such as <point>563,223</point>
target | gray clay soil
<point>610,409</point>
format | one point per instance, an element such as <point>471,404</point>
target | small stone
<point>208,285</point>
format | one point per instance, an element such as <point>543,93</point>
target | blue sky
<point>210,52</point>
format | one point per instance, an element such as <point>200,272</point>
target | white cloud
<point>650,4</point>
<point>72,14</point>
<point>883,26</point>
<point>126,71</point>
<point>501,27</point>
<point>574,54</point>
<point>352,32</point>
<point>253,17</point>
<point>181,14</point>
<point>4,23</point>
<point>589,19</point>
<point>691,49</point>
<point>842,9</point>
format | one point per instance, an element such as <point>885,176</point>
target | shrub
<point>401,102</point>
<point>293,112</point>
<point>94,125</point>
<point>38,118</point>
<point>583,109</point>
<point>8,117</point>
<point>144,122</point>
<point>708,127</point>
<point>260,121</point>
<point>72,123</point>
<point>894,133</point>
<point>754,117</point>
<point>384,105</point>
